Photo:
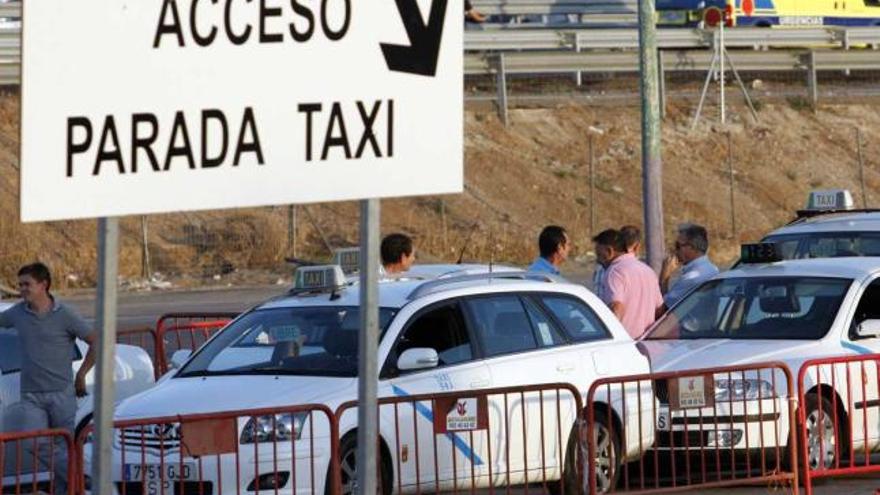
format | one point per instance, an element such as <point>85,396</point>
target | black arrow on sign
<point>421,56</point>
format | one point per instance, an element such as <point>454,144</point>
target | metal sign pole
<point>721,72</point>
<point>108,261</point>
<point>368,340</point>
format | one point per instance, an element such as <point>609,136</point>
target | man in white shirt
<point>691,247</point>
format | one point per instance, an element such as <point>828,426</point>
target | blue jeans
<point>41,411</point>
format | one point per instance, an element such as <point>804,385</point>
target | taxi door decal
<point>855,347</point>
<point>456,440</point>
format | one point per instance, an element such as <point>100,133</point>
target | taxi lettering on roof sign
<point>319,277</point>
<point>348,258</point>
<point>833,199</point>
<point>228,104</point>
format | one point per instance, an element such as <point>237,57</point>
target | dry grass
<point>517,180</point>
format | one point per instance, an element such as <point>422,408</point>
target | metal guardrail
<point>684,60</point>
<point>543,50</point>
<point>10,9</point>
<point>584,39</point>
<point>551,7</point>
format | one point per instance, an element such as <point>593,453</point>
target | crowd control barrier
<point>702,428</point>
<point>476,439</point>
<point>839,417</point>
<point>176,331</point>
<point>269,451</point>
<point>38,461</point>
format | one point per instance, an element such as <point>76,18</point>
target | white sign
<point>463,416</point>
<point>691,392</point>
<point>148,106</point>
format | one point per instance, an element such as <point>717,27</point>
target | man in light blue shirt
<point>553,244</point>
<point>691,247</point>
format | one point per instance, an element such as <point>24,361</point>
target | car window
<point>10,350</point>
<point>547,332</point>
<point>755,308</point>
<point>442,329</point>
<point>867,309</point>
<point>827,244</point>
<point>502,324</point>
<point>579,321</point>
<point>308,341</point>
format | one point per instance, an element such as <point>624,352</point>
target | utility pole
<point>652,163</point>
<point>592,132</point>
<point>861,167</point>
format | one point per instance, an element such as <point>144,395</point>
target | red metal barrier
<point>175,331</point>
<point>702,428</point>
<point>839,421</point>
<point>469,440</point>
<point>250,451</point>
<point>37,461</point>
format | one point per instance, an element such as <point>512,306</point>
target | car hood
<point>181,396</point>
<point>676,355</point>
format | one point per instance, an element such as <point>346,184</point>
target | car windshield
<point>317,341</point>
<point>10,351</point>
<point>827,244</point>
<point>755,308</point>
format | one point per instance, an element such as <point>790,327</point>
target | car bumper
<point>302,469</point>
<point>742,426</point>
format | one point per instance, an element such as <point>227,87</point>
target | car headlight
<point>750,389</point>
<point>281,427</point>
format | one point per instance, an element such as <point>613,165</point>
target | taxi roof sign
<point>348,258</point>
<point>318,278</point>
<point>765,252</point>
<point>830,199</point>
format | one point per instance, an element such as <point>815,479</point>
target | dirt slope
<point>519,178</point>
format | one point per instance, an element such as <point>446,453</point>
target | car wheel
<point>820,426</point>
<point>607,460</point>
<point>348,469</point>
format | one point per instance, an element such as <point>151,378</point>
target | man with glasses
<point>691,247</point>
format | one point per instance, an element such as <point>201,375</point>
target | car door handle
<point>565,368</point>
<point>480,383</point>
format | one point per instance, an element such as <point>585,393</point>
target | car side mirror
<point>868,328</point>
<point>418,358</point>
<point>178,359</point>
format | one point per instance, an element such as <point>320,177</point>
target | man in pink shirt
<point>630,288</point>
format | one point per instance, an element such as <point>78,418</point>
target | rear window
<point>579,321</point>
<point>827,244</point>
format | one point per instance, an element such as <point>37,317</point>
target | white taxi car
<point>784,311</point>
<point>443,330</point>
<point>829,227</point>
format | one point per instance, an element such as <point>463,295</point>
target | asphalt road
<point>142,309</point>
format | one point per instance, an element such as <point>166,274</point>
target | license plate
<point>664,421</point>
<point>158,479</point>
